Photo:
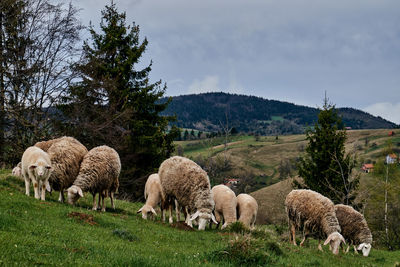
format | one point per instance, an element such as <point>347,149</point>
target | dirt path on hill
<point>228,144</point>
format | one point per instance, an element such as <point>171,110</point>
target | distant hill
<point>250,114</point>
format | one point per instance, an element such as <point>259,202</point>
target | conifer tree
<point>326,168</point>
<point>114,103</point>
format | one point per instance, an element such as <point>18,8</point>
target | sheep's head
<point>334,240</point>
<point>204,215</point>
<point>365,248</point>
<point>17,171</point>
<point>74,193</point>
<point>147,210</point>
<point>41,169</point>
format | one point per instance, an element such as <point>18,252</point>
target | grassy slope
<point>34,232</point>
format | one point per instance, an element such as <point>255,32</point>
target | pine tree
<point>326,168</point>
<point>115,104</point>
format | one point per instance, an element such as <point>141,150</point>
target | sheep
<point>354,228</point>
<point>36,167</point>
<point>314,213</point>
<point>152,194</point>
<point>98,173</point>
<point>66,154</point>
<point>183,179</point>
<point>17,170</point>
<point>247,209</point>
<point>225,205</point>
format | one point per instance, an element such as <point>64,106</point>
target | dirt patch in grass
<point>83,217</point>
<point>182,226</point>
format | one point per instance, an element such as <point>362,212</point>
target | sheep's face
<point>74,193</point>
<point>365,248</point>
<point>204,218</point>
<point>147,210</point>
<point>41,169</point>
<point>334,240</point>
<point>17,171</point>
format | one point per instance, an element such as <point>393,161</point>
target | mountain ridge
<point>252,114</point>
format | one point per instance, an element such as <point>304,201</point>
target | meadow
<point>34,232</point>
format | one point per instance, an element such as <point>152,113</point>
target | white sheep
<point>16,171</point>
<point>354,228</point>
<point>225,205</point>
<point>36,167</point>
<point>98,173</point>
<point>184,180</point>
<point>66,154</point>
<point>152,194</point>
<point>247,209</point>
<point>313,213</point>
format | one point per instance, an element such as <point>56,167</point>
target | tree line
<point>52,85</point>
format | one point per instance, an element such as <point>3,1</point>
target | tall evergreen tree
<point>115,104</point>
<point>326,168</point>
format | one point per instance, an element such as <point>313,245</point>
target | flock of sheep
<point>65,164</point>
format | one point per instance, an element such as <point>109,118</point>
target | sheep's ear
<point>153,211</point>
<point>328,240</point>
<point>80,193</point>
<point>32,167</point>
<point>48,188</point>
<point>342,238</point>
<point>360,247</point>
<point>194,216</point>
<point>213,219</point>
<point>140,210</point>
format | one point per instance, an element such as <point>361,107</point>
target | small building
<point>391,159</point>
<point>348,128</point>
<point>367,167</point>
<point>391,133</point>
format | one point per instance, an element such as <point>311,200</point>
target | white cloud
<point>208,84</point>
<point>386,110</point>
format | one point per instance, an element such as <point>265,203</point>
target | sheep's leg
<point>27,185</point>
<point>163,215</point>
<point>171,220</point>
<point>217,218</point>
<point>103,206</point>
<point>61,197</point>
<point>94,201</point>
<point>43,190</point>
<point>304,238</point>
<point>35,187</point>
<point>347,249</point>
<point>293,234</point>
<point>355,249</point>
<point>112,200</point>
<point>178,214</point>
<point>319,245</point>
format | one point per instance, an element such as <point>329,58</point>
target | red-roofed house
<point>367,167</point>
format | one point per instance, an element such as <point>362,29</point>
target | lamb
<point>247,209</point>
<point>66,154</point>
<point>354,228</point>
<point>98,173</point>
<point>152,194</point>
<point>17,170</point>
<point>314,213</point>
<point>36,167</point>
<point>183,179</point>
<point>225,205</point>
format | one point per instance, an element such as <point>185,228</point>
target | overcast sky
<point>277,49</point>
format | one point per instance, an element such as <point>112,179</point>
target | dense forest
<point>250,114</point>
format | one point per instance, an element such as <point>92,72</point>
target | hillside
<point>34,232</point>
<point>250,114</point>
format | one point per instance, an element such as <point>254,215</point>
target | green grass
<point>34,232</point>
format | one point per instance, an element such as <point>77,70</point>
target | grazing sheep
<point>314,214</point>
<point>66,154</point>
<point>17,170</point>
<point>247,209</point>
<point>98,173</point>
<point>189,184</point>
<point>225,205</point>
<point>152,194</point>
<point>354,228</point>
<point>36,167</point>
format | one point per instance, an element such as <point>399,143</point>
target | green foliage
<point>125,234</point>
<point>325,168</point>
<point>115,104</point>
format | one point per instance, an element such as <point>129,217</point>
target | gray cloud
<point>286,50</point>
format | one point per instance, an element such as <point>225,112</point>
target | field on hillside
<point>263,156</point>
<point>34,232</point>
